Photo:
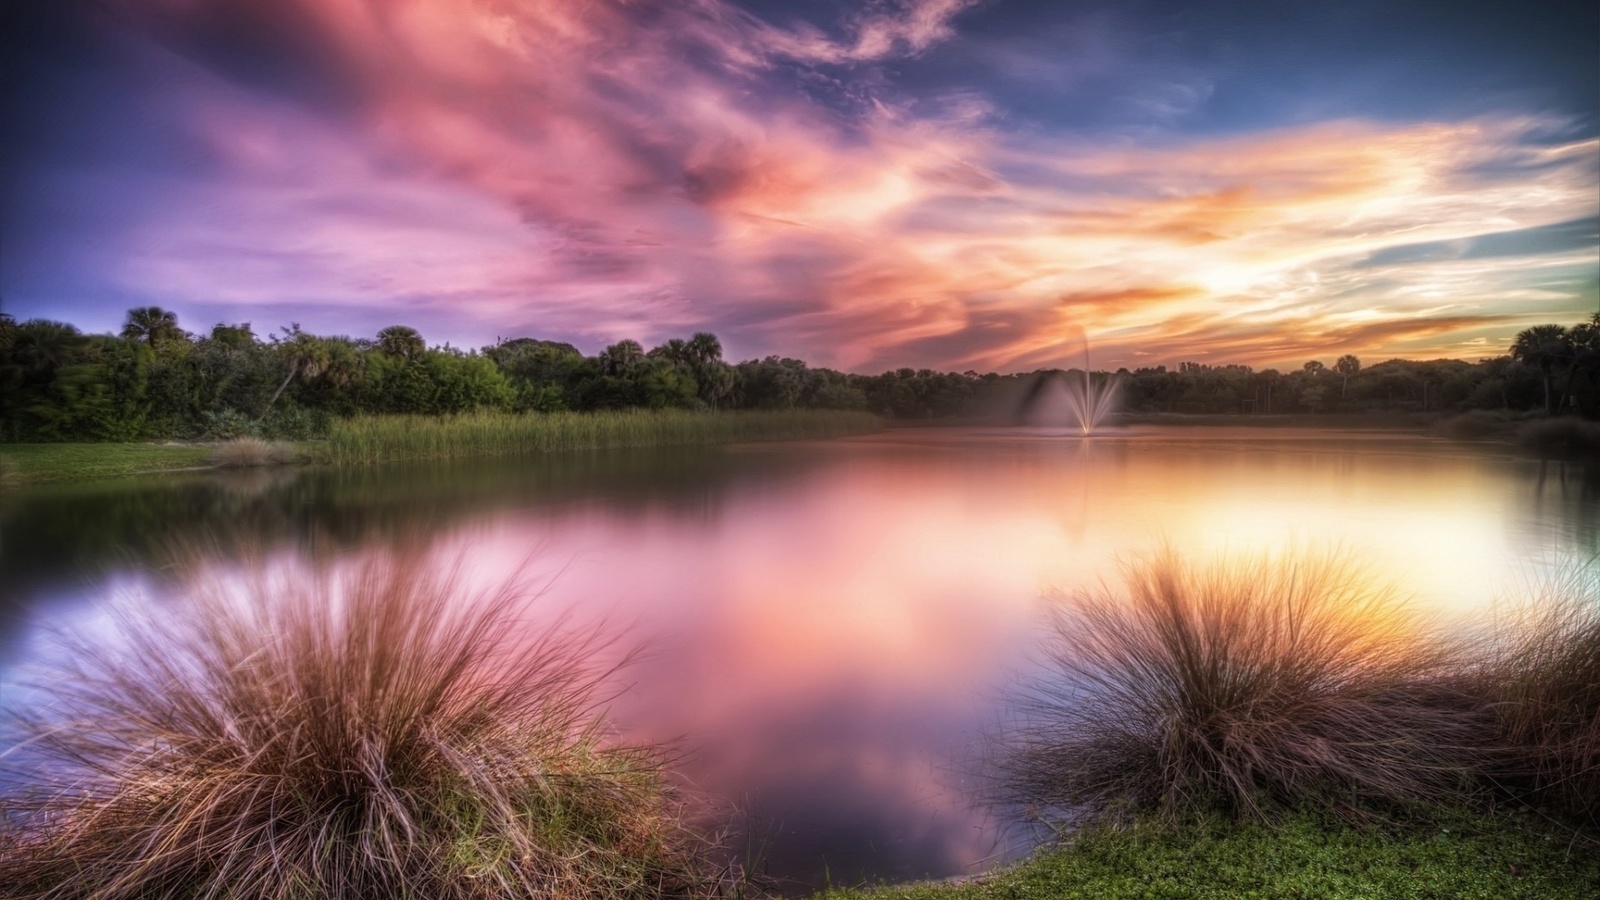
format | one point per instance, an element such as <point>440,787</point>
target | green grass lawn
<point>40,463</point>
<point>1473,857</point>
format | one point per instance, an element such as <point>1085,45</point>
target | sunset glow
<point>928,183</point>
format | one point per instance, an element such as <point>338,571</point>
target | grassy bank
<point>375,439</point>
<point>41,463</point>
<point>1464,857</point>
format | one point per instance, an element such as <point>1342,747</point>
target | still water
<point>830,629</point>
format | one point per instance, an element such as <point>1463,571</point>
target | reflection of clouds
<point>597,169</point>
<point>826,628</point>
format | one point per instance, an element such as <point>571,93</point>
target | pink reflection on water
<point>829,628</point>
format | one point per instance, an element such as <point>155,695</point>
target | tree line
<point>157,380</point>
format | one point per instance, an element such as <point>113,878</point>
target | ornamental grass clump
<point>375,734</point>
<point>251,452</point>
<point>1543,685</point>
<point>1247,686</point>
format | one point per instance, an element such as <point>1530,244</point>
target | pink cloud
<point>599,170</point>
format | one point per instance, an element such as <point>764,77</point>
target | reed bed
<point>373,439</point>
<point>1246,686</point>
<point>375,734</point>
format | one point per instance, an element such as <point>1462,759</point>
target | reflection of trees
<point>56,539</point>
<point>1567,493</point>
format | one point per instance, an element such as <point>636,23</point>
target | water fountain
<point>1085,403</point>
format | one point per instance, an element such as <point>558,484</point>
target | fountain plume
<point>1087,403</point>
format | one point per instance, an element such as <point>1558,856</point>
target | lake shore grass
<point>1465,856</point>
<point>22,464</point>
<point>377,439</point>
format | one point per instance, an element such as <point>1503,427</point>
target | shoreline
<point>26,465</point>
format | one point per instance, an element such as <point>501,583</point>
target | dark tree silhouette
<point>1544,346</point>
<point>1347,365</point>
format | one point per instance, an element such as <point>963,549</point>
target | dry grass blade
<point>371,735</point>
<point>251,452</point>
<point>1543,685</point>
<point>1254,683</point>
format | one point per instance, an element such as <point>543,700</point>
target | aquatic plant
<point>380,733</point>
<point>1250,684</point>
<point>372,439</point>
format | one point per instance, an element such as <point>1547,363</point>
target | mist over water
<point>827,627</point>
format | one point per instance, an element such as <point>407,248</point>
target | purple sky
<point>865,185</point>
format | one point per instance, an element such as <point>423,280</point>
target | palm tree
<point>675,351</point>
<point>1544,346</point>
<point>307,355</point>
<point>39,347</point>
<point>705,349</point>
<point>401,341</point>
<point>1346,366</point>
<point>150,324</point>
<point>622,357</point>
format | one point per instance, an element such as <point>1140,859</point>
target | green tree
<point>401,341</point>
<point>233,336</point>
<point>1544,347</point>
<point>622,359</point>
<point>306,355</point>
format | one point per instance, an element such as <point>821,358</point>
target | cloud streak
<point>598,170</point>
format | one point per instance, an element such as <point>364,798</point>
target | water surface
<point>830,627</point>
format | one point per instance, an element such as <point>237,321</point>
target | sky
<point>864,184</point>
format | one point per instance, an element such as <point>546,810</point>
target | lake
<point>830,629</point>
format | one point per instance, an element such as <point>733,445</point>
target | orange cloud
<point>598,170</point>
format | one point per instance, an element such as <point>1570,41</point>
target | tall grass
<point>1242,686</point>
<point>1542,684</point>
<point>372,439</point>
<point>371,735</point>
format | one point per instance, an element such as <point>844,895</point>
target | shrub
<point>1474,424</point>
<point>1543,685</point>
<point>226,424</point>
<point>370,735</point>
<point>1564,434</point>
<point>248,452</point>
<point>1244,686</point>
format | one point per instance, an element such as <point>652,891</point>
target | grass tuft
<point>1543,686</point>
<point>375,734</point>
<point>1250,685</point>
<point>251,452</point>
